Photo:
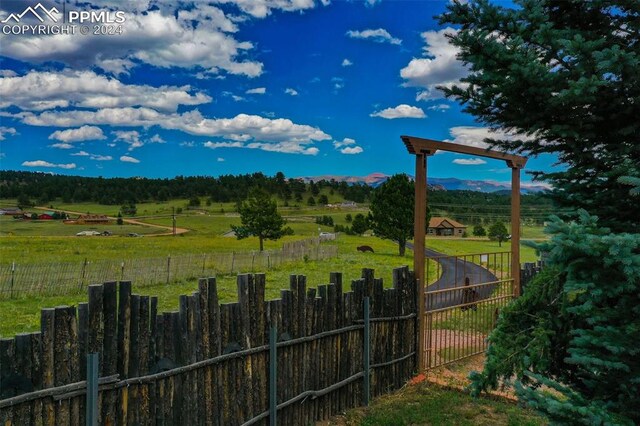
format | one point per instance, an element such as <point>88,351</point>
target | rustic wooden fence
<point>208,363</point>
<point>56,278</point>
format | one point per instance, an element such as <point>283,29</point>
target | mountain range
<point>436,183</point>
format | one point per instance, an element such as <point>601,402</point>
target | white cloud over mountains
<point>401,111</point>
<point>37,91</point>
<point>439,68</point>
<point>379,35</point>
<point>84,133</point>
<point>469,161</point>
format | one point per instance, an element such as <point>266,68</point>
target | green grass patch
<point>426,404</point>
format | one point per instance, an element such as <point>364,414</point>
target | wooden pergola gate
<point>457,298</point>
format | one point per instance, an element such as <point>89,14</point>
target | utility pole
<point>173,217</point>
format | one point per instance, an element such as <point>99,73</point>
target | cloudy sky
<point>235,86</point>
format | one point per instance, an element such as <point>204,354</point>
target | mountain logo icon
<point>38,11</point>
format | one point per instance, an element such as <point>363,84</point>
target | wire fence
<point>60,278</point>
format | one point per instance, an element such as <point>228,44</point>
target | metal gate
<point>464,296</point>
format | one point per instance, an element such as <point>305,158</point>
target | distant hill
<point>448,184</point>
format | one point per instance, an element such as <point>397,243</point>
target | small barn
<point>445,227</point>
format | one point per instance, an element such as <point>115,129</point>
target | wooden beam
<point>415,145</point>
<point>515,230</point>
<point>418,248</point>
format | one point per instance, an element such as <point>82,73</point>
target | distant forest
<point>42,189</point>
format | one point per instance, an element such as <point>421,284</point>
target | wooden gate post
<point>420,226</point>
<point>515,227</point>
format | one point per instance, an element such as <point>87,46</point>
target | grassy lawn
<point>426,404</point>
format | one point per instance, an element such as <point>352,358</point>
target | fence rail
<point>58,278</point>
<point>209,363</point>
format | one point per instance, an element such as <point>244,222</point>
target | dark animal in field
<point>365,249</point>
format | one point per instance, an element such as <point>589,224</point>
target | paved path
<point>453,272</point>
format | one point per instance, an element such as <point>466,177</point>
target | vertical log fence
<point>309,355</point>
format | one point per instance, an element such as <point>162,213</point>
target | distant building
<point>11,211</point>
<point>45,216</point>
<point>89,219</point>
<point>445,227</point>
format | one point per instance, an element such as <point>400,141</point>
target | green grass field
<point>40,242</point>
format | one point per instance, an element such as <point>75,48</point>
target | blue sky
<point>235,86</point>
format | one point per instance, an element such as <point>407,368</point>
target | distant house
<point>445,227</point>
<point>11,211</point>
<point>45,216</point>
<point>89,219</point>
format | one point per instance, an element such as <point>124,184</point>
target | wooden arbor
<point>423,148</point>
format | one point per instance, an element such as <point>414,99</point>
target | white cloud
<point>4,131</point>
<point>162,34</point>
<point>277,134</point>
<point>257,91</point>
<point>347,146</point>
<point>116,66</point>
<point>94,157</point>
<point>371,3</point>
<point>101,157</point>
<point>379,35</point>
<point>42,163</point>
<point>439,107</point>
<point>187,144</point>
<point>7,73</point>
<point>469,161</point>
<point>216,145</point>
<point>351,150</point>
<point>132,137</point>
<point>346,62</point>
<point>62,146</point>
<point>475,136</point>
<point>282,147</point>
<point>344,142</point>
<point>220,160</point>
<point>290,91</point>
<point>401,111</point>
<point>84,133</point>
<point>263,8</point>
<point>157,139</point>
<point>39,91</point>
<point>439,68</point>
<point>127,159</point>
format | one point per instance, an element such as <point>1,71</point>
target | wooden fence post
<point>366,353</point>
<point>273,376</point>
<point>92,389</point>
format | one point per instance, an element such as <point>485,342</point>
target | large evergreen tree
<point>392,212</point>
<point>563,75</point>
<point>260,218</point>
<point>576,330</point>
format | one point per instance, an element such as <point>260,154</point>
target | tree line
<point>42,188</point>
